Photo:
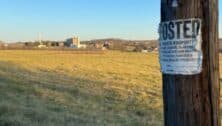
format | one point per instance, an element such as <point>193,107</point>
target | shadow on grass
<point>53,98</point>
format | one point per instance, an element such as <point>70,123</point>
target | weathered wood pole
<point>193,100</point>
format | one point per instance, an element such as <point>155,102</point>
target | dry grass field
<point>64,88</point>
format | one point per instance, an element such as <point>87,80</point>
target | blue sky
<point>23,20</point>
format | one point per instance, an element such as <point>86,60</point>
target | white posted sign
<point>180,47</point>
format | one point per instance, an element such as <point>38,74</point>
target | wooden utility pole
<point>193,100</point>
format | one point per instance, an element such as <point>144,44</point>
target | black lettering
<point>165,33</point>
<point>186,29</point>
<point>178,28</point>
<point>171,31</point>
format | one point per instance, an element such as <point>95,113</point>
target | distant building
<point>5,45</point>
<point>61,44</point>
<point>144,51</point>
<point>42,46</point>
<point>98,45</point>
<point>83,46</point>
<point>74,43</point>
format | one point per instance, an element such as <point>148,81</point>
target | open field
<point>61,88</point>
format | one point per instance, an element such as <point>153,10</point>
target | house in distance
<point>74,43</point>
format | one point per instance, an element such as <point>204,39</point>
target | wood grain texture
<point>194,100</point>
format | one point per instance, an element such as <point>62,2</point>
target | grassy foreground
<point>62,88</point>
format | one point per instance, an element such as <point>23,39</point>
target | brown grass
<point>65,88</point>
